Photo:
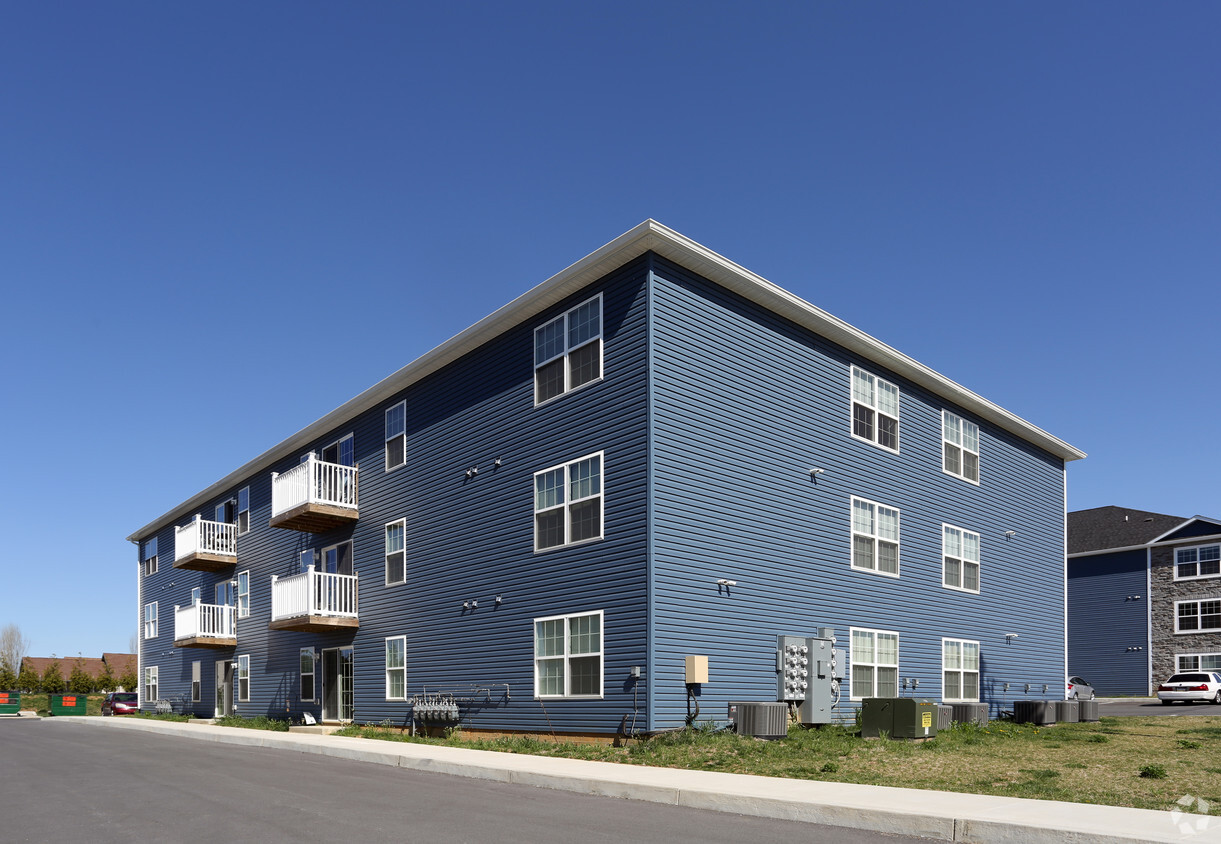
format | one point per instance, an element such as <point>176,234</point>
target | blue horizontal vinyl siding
<point>1108,623</point>
<point>745,404</point>
<point>466,539</point>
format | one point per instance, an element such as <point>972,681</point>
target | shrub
<point>1153,772</point>
<point>830,768</point>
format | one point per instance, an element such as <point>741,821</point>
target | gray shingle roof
<point>1115,527</point>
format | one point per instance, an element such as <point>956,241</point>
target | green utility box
<point>68,704</point>
<point>898,717</point>
<point>10,703</point>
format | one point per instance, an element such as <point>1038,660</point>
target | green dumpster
<point>68,704</point>
<point>10,703</point>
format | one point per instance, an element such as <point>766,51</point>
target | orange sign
<point>69,701</point>
<point>3,697</point>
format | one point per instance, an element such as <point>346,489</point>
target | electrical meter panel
<point>808,670</point>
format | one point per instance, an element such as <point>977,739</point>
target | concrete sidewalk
<point>934,814</point>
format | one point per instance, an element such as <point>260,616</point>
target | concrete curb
<point>932,814</point>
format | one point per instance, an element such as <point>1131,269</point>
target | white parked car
<point>1079,689</point>
<point>1204,686</point>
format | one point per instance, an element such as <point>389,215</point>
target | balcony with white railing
<point>314,496</point>
<point>314,602</point>
<point>201,545</point>
<point>205,626</point>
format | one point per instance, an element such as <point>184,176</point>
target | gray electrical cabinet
<point>808,673</point>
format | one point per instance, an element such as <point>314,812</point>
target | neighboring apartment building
<point>1144,597</point>
<point>651,455</point>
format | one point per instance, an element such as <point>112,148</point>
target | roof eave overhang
<point>648,236</point>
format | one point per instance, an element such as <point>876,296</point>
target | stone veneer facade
<point>1165,591</point>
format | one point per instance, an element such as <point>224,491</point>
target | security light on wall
<point>1009,534</point>
<point>724,582</point>
<point>814,472</point>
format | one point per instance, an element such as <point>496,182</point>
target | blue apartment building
<point>652,455</point>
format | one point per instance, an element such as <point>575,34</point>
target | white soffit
<point>648,236</point>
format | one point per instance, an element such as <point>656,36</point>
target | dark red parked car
<point>121,703</point>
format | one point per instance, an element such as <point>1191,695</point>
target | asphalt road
<point>1124,707</point>
<point>73,783</point>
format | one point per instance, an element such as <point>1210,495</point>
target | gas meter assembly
<point>808,671</point>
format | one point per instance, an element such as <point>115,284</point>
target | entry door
<point>224,688</point>
<point>337,684</point>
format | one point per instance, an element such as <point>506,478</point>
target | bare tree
<point>13,646</point>
<point>133,644</point>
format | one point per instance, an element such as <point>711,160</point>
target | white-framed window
<point>337,559</point>
<point>150,620</point>
<point>226,593</point>
<point>568,656</point>
<point>243,677</point>
<point>960,558</point>
<point>195,681</point>
<point>875,663</point>
<point>243,510</point>
<point>196,596</point>
<point>1198,662</point>
<point>341,452</point>
<point>568,503</point>
<point>959,670</point>
<point>149,557</point>
<point>568,351</point>
<point>150,683</point>
<point>1197,616</point>
<point>243,594</point>
<point>396,552</point>
<point>960,447</point>
<point>396,436</point>
<point>307,674</point>
<point>306,561</point>
<point>396,668</point>
<point>875,537</point>
<point>875,410</point>
<point>1197,563</point>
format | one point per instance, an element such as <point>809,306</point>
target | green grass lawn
<point>1080,763</point>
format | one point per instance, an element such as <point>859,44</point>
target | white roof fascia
<point>1192,520</point>
<point>649,235</point>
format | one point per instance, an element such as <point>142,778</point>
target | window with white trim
<point>307,674</point>
<point>875,537</point>
<point>875,410</point>
<point>243,594</point>
<point>396,436</point>
<point>195,681</point>
<point>875,663</point>
<point>959,670</point>
<point>149,557</point>
<point>568,656</point>
<point>396,668</point>
<point>960,447</point>
<point>568,503</point>
<point>150,683</point>
<point>196,596</point>
<point>243,510</point>
<point>1197,616</point>
<point>225,593</point>
<point>1199,662</point>
<point>1196,563</point>
<point>342,452</point>
<point>396,552</point>
<point>243,677</point>
<point>150,620</point>
<point>568,351</point>
<point>960,558</point>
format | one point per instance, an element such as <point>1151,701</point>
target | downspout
<point>1149,621</point>
<point>1064,568</point>
<point>139,631</point>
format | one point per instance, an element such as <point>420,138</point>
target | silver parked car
<point>1192,686</point>
<point>1079,689</point>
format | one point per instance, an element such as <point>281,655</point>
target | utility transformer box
<point>898,717</point>
<point>808,671</point>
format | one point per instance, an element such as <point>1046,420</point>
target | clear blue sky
<point>195,197</point>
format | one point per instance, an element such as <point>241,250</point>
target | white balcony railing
<point>313,593</point>
<point>313,482</point>
<point>204,621</point>
<point>200,536</point>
